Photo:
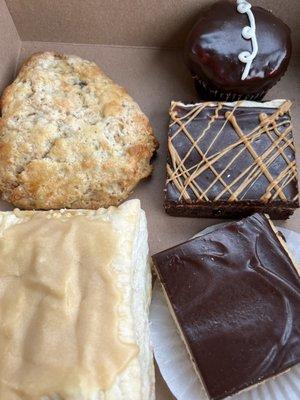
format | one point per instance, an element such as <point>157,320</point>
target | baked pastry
<point>236,51</point>
<point>235,296</point>
<point>74,294</point>
<point>230,160</point>
<point>70,137</point>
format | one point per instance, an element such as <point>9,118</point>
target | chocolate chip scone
<point>70,137</point>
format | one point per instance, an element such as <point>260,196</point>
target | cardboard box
<point>138,44</point>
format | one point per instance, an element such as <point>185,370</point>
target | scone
<point>74,294</point>
<point>70,137</point>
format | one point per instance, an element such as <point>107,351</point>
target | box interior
<point>139,45</point>
<point>123,22</point>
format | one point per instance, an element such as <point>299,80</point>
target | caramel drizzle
<point>185,178</point>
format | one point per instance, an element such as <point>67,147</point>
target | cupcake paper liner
<point>205,92</point>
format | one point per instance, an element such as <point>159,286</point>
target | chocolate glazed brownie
<point>231,160</point>
<point>235,295</point>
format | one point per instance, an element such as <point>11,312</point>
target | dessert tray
<point>110,136</point>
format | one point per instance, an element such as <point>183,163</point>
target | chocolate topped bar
<point>235,295</point>
<point>231,159</point>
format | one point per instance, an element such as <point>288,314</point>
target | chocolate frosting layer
<point>236,296</point>
<point>215,42</point>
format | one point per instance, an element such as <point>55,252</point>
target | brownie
<point>235,294</point>
<point>231,160</point>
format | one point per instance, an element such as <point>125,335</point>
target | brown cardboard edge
<point>10,46</point>
<point>118,22</point>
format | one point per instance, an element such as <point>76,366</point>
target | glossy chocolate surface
<point>213,46</point>
<point>231,160</point>
<point>236,296</point>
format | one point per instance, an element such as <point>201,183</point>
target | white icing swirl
<point>248,33</point>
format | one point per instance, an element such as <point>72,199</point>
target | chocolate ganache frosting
<point>224,37</point>
<point>235,294</point>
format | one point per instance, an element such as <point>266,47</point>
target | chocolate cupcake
<point>236,51</point>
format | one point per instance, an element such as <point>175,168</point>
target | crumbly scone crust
<point>70,137</point>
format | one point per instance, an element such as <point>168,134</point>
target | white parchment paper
<point>174,362</point>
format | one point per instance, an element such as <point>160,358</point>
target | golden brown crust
<point>70,137</point>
